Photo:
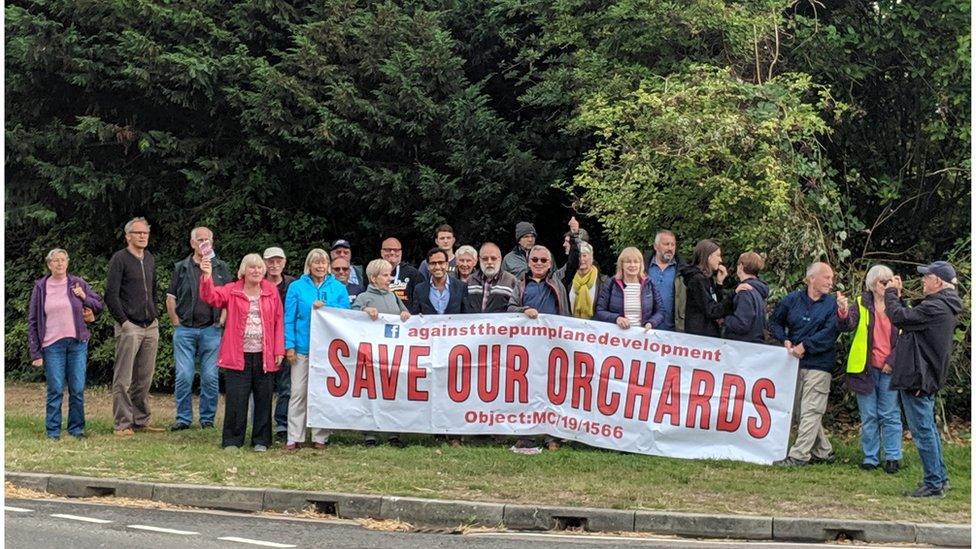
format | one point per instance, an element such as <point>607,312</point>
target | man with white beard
<point>489,288</point>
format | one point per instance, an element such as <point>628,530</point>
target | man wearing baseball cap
<point>921,360</point>
<point>341,248</point>
<point>274,260</point>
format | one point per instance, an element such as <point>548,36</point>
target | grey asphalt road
<point>81,525</point>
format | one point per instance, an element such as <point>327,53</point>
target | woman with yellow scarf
<point>587,282</point>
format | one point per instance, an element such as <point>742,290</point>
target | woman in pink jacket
<point>251,348</point>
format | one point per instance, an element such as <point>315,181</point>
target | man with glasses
<point>539,291</point>
<point>130,295</point>
<point>440,294</point>
<point>342,249</point>
<point>490,288</point>
<point>921,360</point>
<point>404,277</point>
<point>342,270</point>
<point>197,328</point>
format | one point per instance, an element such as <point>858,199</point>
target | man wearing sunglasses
<point>341,269</point>
<point>538,290</point>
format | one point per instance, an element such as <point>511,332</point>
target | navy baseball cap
<point>341,243</point>
<point>941,269</point>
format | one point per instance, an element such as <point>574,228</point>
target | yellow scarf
<point>583,306</point>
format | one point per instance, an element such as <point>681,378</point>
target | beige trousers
<point>811,439</point>
<point>135,362</point>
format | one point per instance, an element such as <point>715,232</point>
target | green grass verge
<point>575,476</point>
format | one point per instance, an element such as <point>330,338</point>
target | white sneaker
<point>260,448</point>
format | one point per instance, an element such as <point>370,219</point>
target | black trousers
<point>239,386</point>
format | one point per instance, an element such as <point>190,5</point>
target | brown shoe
<point>291,447</point>
<point>124,432</point>
<point>320,445</point>
<point>148,429</point>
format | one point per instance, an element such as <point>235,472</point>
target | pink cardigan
<point>232,297</point>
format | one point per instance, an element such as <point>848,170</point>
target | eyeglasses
<point>391,250</point>
<point>340,269</point>
<point>139,233</point>
<point>539,259</point>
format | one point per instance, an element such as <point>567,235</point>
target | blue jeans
<point>920,414</point>
<point>282,389</point>
<point>65,360</point>
<point>880,409</point>
<point>189,346</point>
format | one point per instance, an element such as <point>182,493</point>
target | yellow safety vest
<point>858,357</point>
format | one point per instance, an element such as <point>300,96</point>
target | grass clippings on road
<point>480,471</point>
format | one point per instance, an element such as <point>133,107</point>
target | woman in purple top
<point>58,340</point>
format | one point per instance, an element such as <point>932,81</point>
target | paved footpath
<point>448,516</point>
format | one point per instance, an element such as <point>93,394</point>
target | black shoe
<point>282,436</point>
<point>206,425</point>
<point>926,491</point>
<point>868,466</point>
<point>945,487</point>
<point>396,443</point>
<point>892,466</point>
<point>370,443</point>
<point>826,460</point>
<point>178,426</point>
<point>791,462</point>
<point>80,436</point>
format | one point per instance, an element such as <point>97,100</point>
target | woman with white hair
<point>869,364</point>
<point>60,305</point>
<point>467,258</point>
<point>376,300</point>
<point>251,348</point>
<point>315,289</point>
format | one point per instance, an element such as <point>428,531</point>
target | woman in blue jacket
<point>629,298</point>
<point>315,289</point>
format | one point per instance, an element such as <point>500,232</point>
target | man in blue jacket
<point>806,322</point>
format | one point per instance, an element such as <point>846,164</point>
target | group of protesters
<point>255,326</point>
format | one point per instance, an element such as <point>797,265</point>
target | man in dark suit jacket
<point>440,294</point>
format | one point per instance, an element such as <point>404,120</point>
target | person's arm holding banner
<point>291,314</point>
<point>777,323</point>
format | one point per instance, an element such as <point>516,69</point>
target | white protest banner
<point>660,393</point>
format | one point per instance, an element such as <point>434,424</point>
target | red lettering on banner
<point>702,387</point>
<point>416,373</point>
<point>338,385</point>
<point>670,400</point>
<point>390,371</point>
<point>730,381</point>
<point>582,380</point>
<point>539,417</point>
<point>608,407</point>
<point>364,373</point>
<point>517,367</point>
<point>459,361</point>
<point>558,380</point>
<point>763,388</point>
<point>489,372</point>
<point>638,388</point>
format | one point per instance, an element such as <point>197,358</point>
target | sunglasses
<point>539,259</point>
<point>340,269</point>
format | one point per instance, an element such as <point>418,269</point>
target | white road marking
<point>17,509</point>
<point>256,542</point>
<point>163,530</point>
<point>82,519</point>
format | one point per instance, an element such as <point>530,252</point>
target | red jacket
<point>232,297</point>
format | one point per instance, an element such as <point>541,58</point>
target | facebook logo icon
<point>392,330</point>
